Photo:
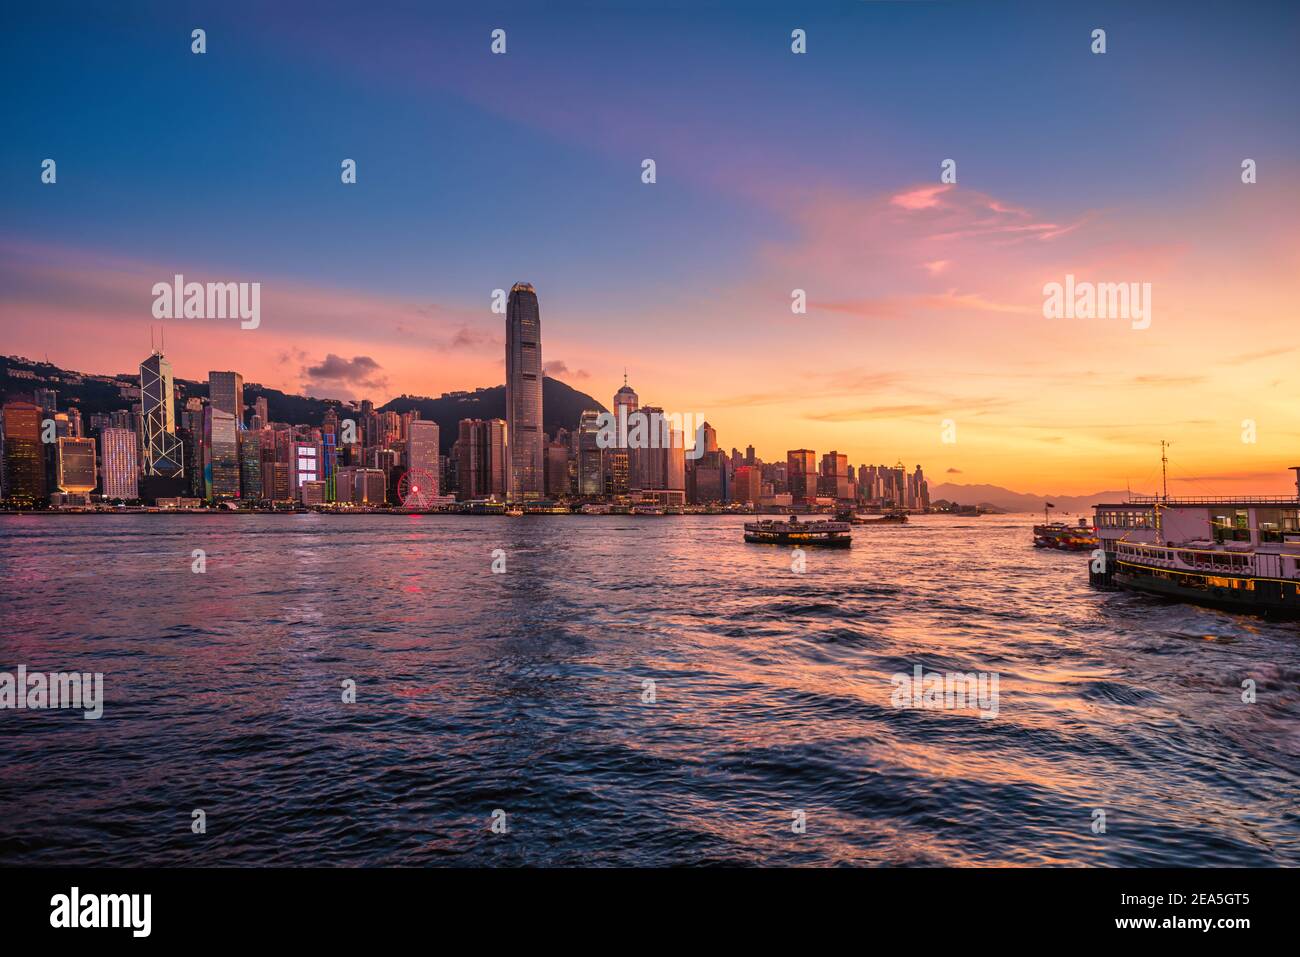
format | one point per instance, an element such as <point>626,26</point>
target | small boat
<point>895,518</point>
<point>514,512</point>
<point>1071,538</point>
<point>795,532</point>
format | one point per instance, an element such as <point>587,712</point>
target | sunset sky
<point>775,171</point>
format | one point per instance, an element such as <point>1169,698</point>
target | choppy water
<point>524,691</point>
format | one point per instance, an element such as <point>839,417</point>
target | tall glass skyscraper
<point>524,394</point>
<point>226,392</point>
<point>161,448</point>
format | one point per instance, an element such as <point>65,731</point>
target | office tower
<point>590,467</point>
<point>833,480</point>
<point>918,490</point>
<point>250,464</point>
<point>482,459</point>
<point>524,393</point>
<point>260,409</point>
<point>161,454</point>
<point>747,485</point>
<point>749,455</point>
<point>221,454</point>
<point>710,435</point>
<point>801,475</point>
<point>304,465</point>
<point>191,483</point>
<point>24,456</point>
<point>369,486</point>
<point>77,472</point>
<point>75,427</point>
<point>626,402</point>
<point>707,481</point>
<point>312,493</point>
<point>662,463</point>
<point>557,470</point>
<point>226,392</point>
<point>118,452</point>
<point>47,399</point>
<point>422,450</point>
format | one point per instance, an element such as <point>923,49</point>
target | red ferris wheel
<point>415,489</point>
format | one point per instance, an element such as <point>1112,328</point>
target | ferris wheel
<point>415,489</point>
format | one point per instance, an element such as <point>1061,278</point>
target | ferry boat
<point>647,510</point>
<point>1071,538</point>
<point>1238,553</point>
<point>795,532</point>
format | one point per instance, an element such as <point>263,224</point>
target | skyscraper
<point>24,456</point>
<point>524,393</point>
<point>221,447</point>
<point>161,448</point>
<point>77,474</point>
<point>226,392</point>
<point>422,451</point>
<point>590,473</point>
<point>250,464</point>
<point>119,463</point>
<point>481,458</point>
<point>801,474</point>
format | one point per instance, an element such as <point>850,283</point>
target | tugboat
<point>1240,553</point>
<point>795,532</point>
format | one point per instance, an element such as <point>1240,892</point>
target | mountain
<point>561,405</point>
<point>561,408</point>
<point>1010,501</point>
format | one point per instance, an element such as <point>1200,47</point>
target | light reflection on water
<point>523,691</point>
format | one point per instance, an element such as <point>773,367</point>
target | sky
<point>924,339</point>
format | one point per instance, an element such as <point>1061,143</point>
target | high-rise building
<point>590,468</point>
<point>662,465</point>
<point>422,450</point>
<point>482,452</point>
<point>706,482</point>
<point>557,470</point>
<point>747,485</point>
<point>226,392</point>
<point>160,447</point>
<point>259,408</point>
<point>24,456</point>
<point>623,461</point>
<point>305,466</point>
<point>77,474</point>
<point>118,452</point>
<point>221,454</point>
<point>833,481</point>
<point>801,474</point>
<point>524,393</point>
<point>710,436</point>
<point>250,464</point>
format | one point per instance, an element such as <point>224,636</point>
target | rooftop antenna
<point>151,345</point>
<point>625,377</point>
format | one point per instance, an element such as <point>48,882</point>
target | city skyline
<point>924,298</point>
